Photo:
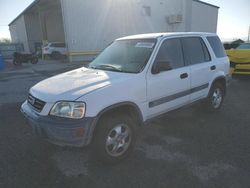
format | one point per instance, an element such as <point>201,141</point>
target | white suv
<point>55,50</point>
<point>133,80</point>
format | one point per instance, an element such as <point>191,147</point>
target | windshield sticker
<point>144,45</point>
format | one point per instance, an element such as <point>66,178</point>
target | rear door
<point>201,66</point>
<point>168,90</point>
<point>219,55</point>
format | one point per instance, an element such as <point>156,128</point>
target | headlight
<point>74,110</point>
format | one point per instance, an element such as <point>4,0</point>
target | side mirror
<point>161,66</point>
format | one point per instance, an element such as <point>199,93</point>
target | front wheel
<point>114,138</point>
<point>216,97</point>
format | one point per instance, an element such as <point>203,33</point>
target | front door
<point>169,89</point>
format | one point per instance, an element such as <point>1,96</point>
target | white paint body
<point>50,49</point>
<point>101,89</point>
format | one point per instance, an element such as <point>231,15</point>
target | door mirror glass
<point>161,66</point>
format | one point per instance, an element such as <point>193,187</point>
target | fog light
<point>79,132</point>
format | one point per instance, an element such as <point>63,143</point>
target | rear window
<point>217,46</point>
<point>244,46</point>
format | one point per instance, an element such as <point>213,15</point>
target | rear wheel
<point>56,55</point>
<point>114,138</point>
<point>216,97</point>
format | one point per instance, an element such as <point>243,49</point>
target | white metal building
<point>89,26</point>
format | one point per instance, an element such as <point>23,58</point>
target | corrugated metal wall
<point>54,25</point>
<point>92,25</point>
<point>204,17</point>
<point>49,27</point>
<point>34,31</point>
<point>18,33</point>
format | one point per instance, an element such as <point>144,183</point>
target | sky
<point>234,18</point>
<point>233,21</point>
<point>9,9</point>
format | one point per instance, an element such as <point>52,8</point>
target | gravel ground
<point>185,148</point>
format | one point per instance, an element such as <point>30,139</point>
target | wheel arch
<point>222,80</point>
<point>127,107</point>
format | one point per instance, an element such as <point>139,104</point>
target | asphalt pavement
<point>184,148</point>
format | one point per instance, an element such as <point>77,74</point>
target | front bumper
<point>240,68</point>
<point>59,131</point>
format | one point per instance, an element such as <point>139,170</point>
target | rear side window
<point>195,50</point>
<point>217,46</point>
<point>171,52</point>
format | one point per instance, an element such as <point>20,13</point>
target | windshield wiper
<point>106,67</point>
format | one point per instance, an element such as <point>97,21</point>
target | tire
<point>114,139</point>
<point>34,60</point>
<point>215,98</point>
<point>16,62</point>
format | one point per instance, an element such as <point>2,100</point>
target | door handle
<point>184,75</point>
<point>213,67</point>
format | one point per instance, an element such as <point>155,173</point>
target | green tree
<point>5,40</point>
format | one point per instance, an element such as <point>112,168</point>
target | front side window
<point>195,50</point>
<point>129,56</point>
<point>171,52</point>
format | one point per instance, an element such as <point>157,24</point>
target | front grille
<point>232,64</point>
<point>36,103</point>
<point>242,70</point>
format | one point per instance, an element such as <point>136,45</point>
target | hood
<point>239,55</point>
<point>74,84</point>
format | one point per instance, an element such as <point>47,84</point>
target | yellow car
<point>240,59</point>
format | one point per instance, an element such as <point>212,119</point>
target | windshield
<point>244,46</point>
<point>128,56</point>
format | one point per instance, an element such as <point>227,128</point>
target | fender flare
<point>109,108</point>
<point>216,80</point>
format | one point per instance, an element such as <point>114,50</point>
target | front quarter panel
<point>239,55</point>
<point>132,89</point>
